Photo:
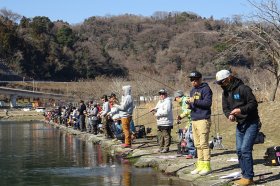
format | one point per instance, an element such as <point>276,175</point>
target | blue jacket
<point>201,107</point>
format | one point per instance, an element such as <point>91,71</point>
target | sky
<point>76,11</point>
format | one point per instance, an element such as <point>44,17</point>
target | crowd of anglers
<point>238,102</point>
<point>113,118</point>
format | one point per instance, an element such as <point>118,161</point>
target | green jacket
<point>186,112</point>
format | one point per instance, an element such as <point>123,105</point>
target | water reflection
<point>37,154</point>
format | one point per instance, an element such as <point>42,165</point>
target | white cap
<point>221,75</point>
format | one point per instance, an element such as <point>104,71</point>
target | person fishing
<point>240,106</point>
<point>93,114</point>
<point>82,116</point>
<point>125,110</point>
<point>200,102</point>
<point>164,115</point>
<point>186,113</point>
<point>105,119</point>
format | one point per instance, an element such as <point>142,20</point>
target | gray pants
<point>164,137</point>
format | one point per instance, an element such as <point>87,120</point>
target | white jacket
<point>164,113</point>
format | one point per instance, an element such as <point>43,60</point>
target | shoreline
<point>144,154</point>
<point>172,164</point>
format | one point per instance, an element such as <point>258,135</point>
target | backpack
<point>140,131</point>
<point>272,156</point>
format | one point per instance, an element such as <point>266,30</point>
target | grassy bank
<point>19,115</point>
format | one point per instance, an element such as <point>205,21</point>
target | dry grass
<point>19,115</point>
<point>268,111</point>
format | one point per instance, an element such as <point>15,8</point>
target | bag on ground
<point>272,156</point>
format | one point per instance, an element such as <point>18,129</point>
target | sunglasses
<point>221,82</point>
<point>194,79</point>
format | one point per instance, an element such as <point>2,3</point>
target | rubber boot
<point>206,168</point>
<point>198,168</point>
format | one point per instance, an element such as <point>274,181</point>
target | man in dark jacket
<point>200,102</point>
<point>240,105</point>
<point>82,109</point>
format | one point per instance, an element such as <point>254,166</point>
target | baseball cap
<point>178,93</point>
<point>162,91</point>
<point>195,74</point>
<point>221,75</point>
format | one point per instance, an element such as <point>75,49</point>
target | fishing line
<point>155,80</point>
<point>142,115</point>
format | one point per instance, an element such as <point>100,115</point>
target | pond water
<point>35,153</point>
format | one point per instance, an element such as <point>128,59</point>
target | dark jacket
<point>201,108</point>
<point>238,95</point>
<point>82,109</point>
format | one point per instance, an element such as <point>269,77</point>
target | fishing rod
<point>155,80</point>
<point>142,115</point>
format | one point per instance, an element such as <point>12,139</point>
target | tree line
<point>164,43</point>
<point>167,44</point>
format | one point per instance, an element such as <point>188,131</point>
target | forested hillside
<point>165,43</point>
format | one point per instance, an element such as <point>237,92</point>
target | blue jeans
<point>245,137</point>
<point>190,143</point>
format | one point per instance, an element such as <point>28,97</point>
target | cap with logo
<point>195,74</point>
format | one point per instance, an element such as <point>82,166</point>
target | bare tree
<point>10,15</point>
<point>260,37</point>
<point>266,32</point>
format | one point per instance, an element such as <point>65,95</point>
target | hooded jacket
<point>201,107</point>
<point>164,112</point>
<point>126,106</point>
<point>238,95</point>
<point>186,111</point>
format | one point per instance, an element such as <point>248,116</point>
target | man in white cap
<point>240,105</point>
